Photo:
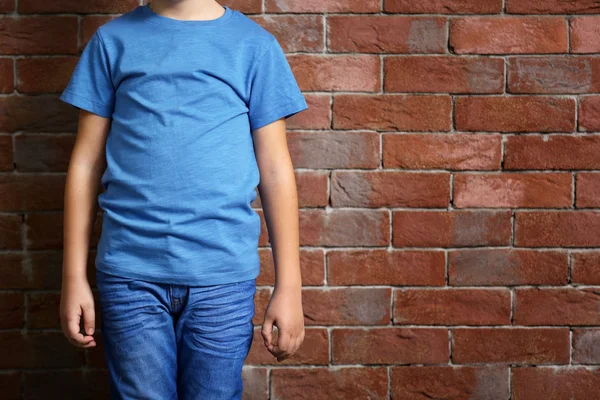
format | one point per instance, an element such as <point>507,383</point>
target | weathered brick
<point>347,306</point>
<point>314,349</point>
<point>442,151</point>
<point>10,226</point>
<point>389,189</point>
<point>43,153</point>
<point>386,34</point>
<point>508,35</point>
<point>443,6</point>
<point>44,74</point>
<point>344,227</point>
<point>554,74</point>
<point>585,34</point>
<point>390,346</point>
<point>515,114</point>
<point>383,267</point>
<point>312,267</point>
<point>295,33</point>
<point>589,113</point>
<point>245,6</point>
<point>317,116</point>
<point>443,74</point>
<point>43,310</point>
<point>513,190</point>
<point>552,7</point>
<point>538,306</point>
<point>452,306</point>
<point>585,267</point>
<point>12,310</point>
<point>507,267</point>
<point>587,190</point>
<point>38,350</point>
<point>53,384</point>
<point>27,192</point>
<point>6,153</point>
<point>536,383</point>
<point>38,35</point>
<point>7,82</point>
<point>336,72</point>
<point>557,228</point>
<point>334,149</point>
<point>67,6</point>
<point>344,383</point>
<point>37,114</point>
<point>510,345</point>
<point>392,112</point>
<point>586,346</point>
<point>451,228</point>
<point>322,6</point>
<point>449,382</point>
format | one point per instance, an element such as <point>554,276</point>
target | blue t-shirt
<point>185,97</point>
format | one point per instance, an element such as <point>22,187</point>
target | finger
<point>267,331</point>
<point>75,335</point>
<point>284,343</point>
<point>89,319</point>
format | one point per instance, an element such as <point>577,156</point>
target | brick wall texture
<point>448,171</point>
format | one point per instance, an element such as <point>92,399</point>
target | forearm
<point>279,199</point>
<point>80,210</point>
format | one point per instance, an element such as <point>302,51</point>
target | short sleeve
<point>90,86</point>
<point>274,92</point>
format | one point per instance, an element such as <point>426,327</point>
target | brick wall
<point>449,178</point>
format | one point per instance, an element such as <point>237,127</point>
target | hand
<point>285,312</point>
<point>77,300</point>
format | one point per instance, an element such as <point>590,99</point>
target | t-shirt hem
<point>86,104</point>
<point>286,111</point>
<point>200,280</point>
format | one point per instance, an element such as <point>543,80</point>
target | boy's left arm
<point>279,199</point>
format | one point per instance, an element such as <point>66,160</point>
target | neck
<point>187,9</point>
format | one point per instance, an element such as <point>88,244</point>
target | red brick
<point>452,306</point>
<point>6,153</point>
<point>585,268</point>
<point>510,345</point>
<point>89,26</point>
<point>67,6</point>
<point>10,227</point>
<point>245,6</point>
<point>449,382</point>
<point>10,382</point>
<point>508,35</point>
<point>43,310</point>
<point>390,346</point>
<point>507,267</point>
<point>557,229</point>
<point>585,34</point>
<point>552,152</point>
<point>43,74</point>
<point>12,310</point>
<point>554,74</point>
<point>317,383</point>
<point>31,192</point>
<point>443,74</point>
<point>317,116</point>
<point>7,6</point>
<point>589,114</point>
<point>383,267</point>
<point>344,227</point>
<point>295,33</point>
<point>538,306</point>
<point>442,151</point>
<point>443,6</point>
<point>313,351</point>
<point>389,189</point>
<point>311,187</point>
<point>515,114</point>
<point>347,306</point>
<point>44,230</point>
<point>7,82</point>
<point>44,153</point>
<point>392,112</point>
<point>38,35</point>
<point>534,383</point>
<point>513,190</point>
<point>255,383</point>
<point>386,34</point>
<point>37,114</point>
<point>312,267</point>
<point>336,72</point>
<point>334,149</point>
<point>38,350</point>
<point>54,384</point>
<point>586,346</point>
<point>451,228</point>
<point>552,7</point>
<point>322,6</point>
<point>587,190</point>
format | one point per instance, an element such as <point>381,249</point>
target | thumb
<point>89,318</point>
<point>267,331</point>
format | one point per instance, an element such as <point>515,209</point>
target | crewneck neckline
<point>179,23</point>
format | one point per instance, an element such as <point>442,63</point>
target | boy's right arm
<point>86,166</point>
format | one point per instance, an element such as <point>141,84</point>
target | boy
<point>182,109</point>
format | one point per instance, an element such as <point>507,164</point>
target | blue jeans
<point>165,341</point>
